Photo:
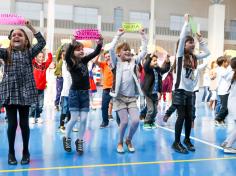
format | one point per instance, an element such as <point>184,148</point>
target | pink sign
<point>11,19</point>
<point>86,34</point>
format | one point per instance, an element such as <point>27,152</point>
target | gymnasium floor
<point>153,155</point>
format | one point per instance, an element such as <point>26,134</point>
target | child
<point>227,144</point>
<point>79,91</point>
<point>17,90</point>
<point>152,87</point>
<point>126,87</point>
<point>58,73</point>
<point>223,71</point>
<point>39,68</point>
<point>213,85</point>
<point>65,95</point>
<point>184,83</point>
<point>107,81</point>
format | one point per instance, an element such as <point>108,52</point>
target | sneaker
<point>120,148</point>
<point>32,120</point>
<point>178,147</point>
<point>79,146</point>
<point>165,118</point>
<point>25,159</point>
<point>224,144</point>
<point>12,159</point>
<point>129,145</point>
<point>189,145</point>
<point>62,129</point>
<point>75,129</point>
<point>230,150</point>
<point>39,120</point>
<point>154,125</point>
<point>147,126</point>
<point>217,123</point>
<point>104,125</point>
<point>110,117</point>
<point>57,107</point>
<point>67,144</point>
<point>142,117</point>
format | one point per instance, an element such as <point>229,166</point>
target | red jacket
<point>40,72</point>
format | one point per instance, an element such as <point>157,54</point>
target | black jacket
<point>149,77</point>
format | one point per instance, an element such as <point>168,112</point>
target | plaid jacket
<point>18,85</point>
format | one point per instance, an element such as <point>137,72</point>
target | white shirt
<point>223,76</point>
<point>67,81</point>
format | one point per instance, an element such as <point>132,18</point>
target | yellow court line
<point>117,164</point>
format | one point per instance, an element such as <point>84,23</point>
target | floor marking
<point>196,139</point>
<point>117,164</point>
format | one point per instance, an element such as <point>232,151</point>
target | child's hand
<point>186,17</point>
<point>142,32</point>
<point>120,32</point>
<point>28,24</point>
<point>100,40</point>
<point>199,37</point>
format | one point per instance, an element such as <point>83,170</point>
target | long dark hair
<point>10,48</point>
<point>73,58</point>
<point>188,56</point>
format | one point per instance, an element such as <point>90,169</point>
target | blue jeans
<point>59,85</point>
<point>206,89</point>
<point>65,105</point>
<point>106,98</point>
<point>218,105</point>
<point>37,108</point>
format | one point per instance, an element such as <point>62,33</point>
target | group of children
<point>21,88</point>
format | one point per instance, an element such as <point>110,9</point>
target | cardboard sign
<point>193,25</point>
<point>86,34</point>
<point>11,19</point>
<point>132,27</point>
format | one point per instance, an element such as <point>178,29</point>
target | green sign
<point>132,27</point>
<point>193,25</point>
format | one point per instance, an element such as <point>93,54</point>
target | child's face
<point>125,54</point>
<point>154,63</point>
<point>40,58</point>
<point>79,52</point>
<point>63,53</point>
<point>107,57</point>
<point>226,63</point>
<point>190,46</point>
<point>18,40</point>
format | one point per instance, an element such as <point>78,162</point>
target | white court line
<point>196,139</point>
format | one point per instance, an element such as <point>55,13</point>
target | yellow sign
<point>132,27</point>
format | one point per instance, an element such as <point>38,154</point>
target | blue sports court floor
<point>153,155</point>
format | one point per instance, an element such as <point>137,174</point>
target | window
<point>140,17</point>
<point>118,17</point>
<point>33,13</point>
<point>85,15</point>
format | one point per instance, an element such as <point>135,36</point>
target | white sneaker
<point>32,120</point>
<point>40,120</point>
<point>230,150</point>
<point>75,129</point>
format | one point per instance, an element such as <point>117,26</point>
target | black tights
<point>184,114</point>
<point>11,111</point>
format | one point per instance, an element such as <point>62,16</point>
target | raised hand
<point>120,32</point>
<point>29,25</point>
<point>142,32</point>
<point>186,17</point>
<point>100,40</point>
<point>199,37</point>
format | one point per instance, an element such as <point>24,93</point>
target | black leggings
<point>11,111</point>
<point>184,113</point>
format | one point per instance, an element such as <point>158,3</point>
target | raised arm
<point>203,47</point>
<point>180,49</point>
<point>96,52</point>
<point>49,60</point>
<point>68,60</point>
<point>113,44</point>
<point>41,41</point>
<point>143,52</point>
